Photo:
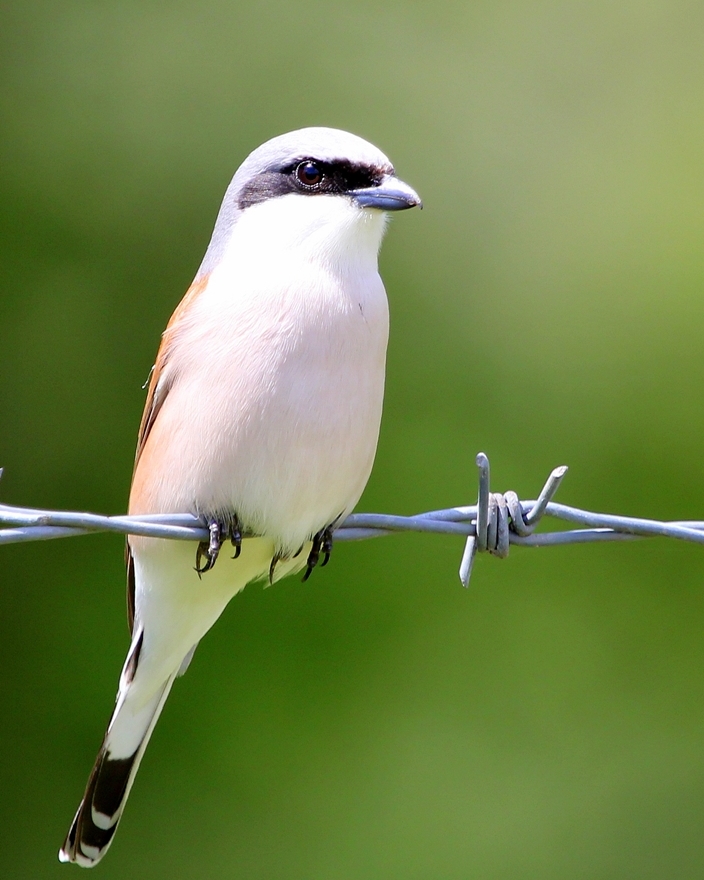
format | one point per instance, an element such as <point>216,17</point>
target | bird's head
<point>320,192</point>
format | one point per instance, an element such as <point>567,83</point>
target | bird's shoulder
<point>161,378</point>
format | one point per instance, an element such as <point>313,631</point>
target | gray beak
<point>391,194</point>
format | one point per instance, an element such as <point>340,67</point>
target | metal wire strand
<point>495,522</point>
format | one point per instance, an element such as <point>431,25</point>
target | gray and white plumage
<point>264,405</point>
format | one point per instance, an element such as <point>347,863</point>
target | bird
<point>262,418</point>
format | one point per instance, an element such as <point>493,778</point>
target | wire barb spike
<point>499,515</point>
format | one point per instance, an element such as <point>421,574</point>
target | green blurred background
<point>547,308</point>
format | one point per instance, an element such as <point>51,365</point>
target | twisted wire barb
<point>492,525</point>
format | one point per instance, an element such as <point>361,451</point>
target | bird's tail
<point>109,784</point>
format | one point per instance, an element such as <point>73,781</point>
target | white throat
<point>329,230</point>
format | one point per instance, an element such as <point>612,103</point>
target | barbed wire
<point>492,525</point>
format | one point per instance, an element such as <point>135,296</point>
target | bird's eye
<point>309,174</point>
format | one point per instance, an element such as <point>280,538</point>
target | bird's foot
<point>220,530</point>
<point>322,543</point>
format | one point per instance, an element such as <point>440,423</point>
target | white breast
<point>278,373</point>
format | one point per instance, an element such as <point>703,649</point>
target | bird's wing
<point>160,382</point>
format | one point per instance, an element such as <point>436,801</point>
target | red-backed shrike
<point>262,417</point>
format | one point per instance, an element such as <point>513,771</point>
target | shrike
<point>262,417</point>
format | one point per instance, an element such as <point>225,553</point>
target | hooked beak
<point>391,194</point>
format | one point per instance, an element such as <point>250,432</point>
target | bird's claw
<point>322,543</point>
<point>220,530</point>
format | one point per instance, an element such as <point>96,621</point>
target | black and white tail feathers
<point>109,784</point>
